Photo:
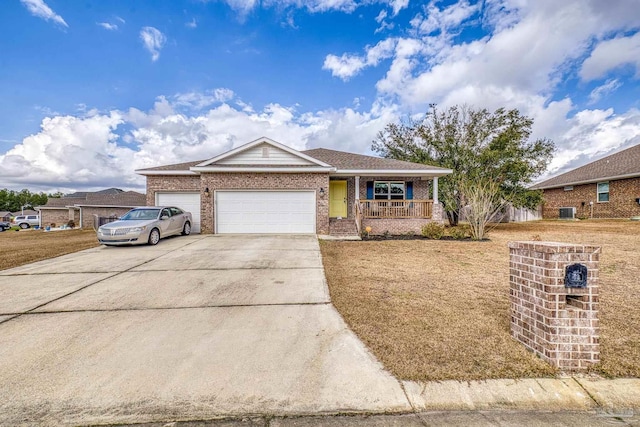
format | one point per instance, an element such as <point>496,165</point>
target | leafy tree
<point>13,201</point>
<point>477,145</point>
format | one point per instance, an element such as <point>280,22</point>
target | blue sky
<point>93,90</point>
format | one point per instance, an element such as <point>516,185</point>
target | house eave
<point>165,172</point>
<point>589,181</point>
<point>392,172</point>
<point>226,169</point>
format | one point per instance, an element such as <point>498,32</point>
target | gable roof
<point>620,165</point>
<point>249,158</point>
<point>296,158</point>
<point>98,198</point>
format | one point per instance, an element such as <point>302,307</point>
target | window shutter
<point>369,190</point>
<point>409,187</point>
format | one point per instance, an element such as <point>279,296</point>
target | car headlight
<point>138,229</point>
<point>100,231</point>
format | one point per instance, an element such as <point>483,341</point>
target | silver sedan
<point>146,225</point>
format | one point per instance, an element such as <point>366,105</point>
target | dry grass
<point>435,310</point>
<point>24,247</point>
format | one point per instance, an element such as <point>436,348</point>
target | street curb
<point>541,394</point>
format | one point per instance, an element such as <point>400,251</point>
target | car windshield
<point>139,214</point>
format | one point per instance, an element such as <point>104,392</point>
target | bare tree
<point>484,201</point>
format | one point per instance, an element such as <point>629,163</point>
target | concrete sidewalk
<point>530,394</point>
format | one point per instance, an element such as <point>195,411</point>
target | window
<point>389,190</point>
<point>603,192</point>
<point>568,188</point>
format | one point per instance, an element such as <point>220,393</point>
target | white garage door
<point>189,202</point>
<point>265,212</point>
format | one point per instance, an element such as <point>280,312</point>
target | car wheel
<point>24,226</point>
<point>186,230</point>
<point>154,237</point>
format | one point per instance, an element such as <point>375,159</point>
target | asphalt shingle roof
<point>99,198</point>
<point>344,160</point>
<point>337,159</point>
<point>623,163</point>
<point>177,167</point>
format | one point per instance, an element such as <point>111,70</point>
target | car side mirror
<point>163,217</point>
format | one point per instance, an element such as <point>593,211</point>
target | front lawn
<point>23,247</point>
<point>436,310</point>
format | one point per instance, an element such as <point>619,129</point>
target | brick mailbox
<point>554,301</point>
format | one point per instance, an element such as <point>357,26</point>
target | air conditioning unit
<point>567,213</point>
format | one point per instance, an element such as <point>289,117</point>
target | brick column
<point>558,323</point>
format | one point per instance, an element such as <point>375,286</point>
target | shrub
<point>433,230</point>
<point>53,225</point>
<point>460,232</point>
<point>71,224</point>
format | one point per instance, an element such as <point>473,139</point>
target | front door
<point>338,199</point>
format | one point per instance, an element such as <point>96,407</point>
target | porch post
<point>435,190</point>
<point>357,188</point>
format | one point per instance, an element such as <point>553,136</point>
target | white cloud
<point>199,100</point>
<point>398,5</point>
<point>611,54</point>
<point>40,9</point>
<point>607,88</point>
<point>153,40</point>
<point>108,26</point>
<point>527,49</point>
<point>244,7</point>
<point>347,66</point>
<point>104,149</point>
<point>443,20</point>
<point>192,24</point>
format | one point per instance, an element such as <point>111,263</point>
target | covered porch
<point>389,203</point>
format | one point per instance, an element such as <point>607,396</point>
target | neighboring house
<point>267,187</point>
<point>606,188</point>
<point>83,207</point>
<point>5,216</point>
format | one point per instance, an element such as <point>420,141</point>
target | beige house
<point>267,187</point>
<point>83,207</point>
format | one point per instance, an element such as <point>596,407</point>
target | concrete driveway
<point>193,328</point>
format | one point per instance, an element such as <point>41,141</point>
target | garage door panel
<point>265,212</point>
<point>189,202</point>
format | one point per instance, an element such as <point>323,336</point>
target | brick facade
<point>622,200</point>
<point>243,181</point>
<point>289,181</point>
<point>557,323</point>
<point>175,183</point>
<point>55,216</point>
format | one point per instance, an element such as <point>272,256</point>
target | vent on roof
<point>567,213</point>
<point>265,152</point>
